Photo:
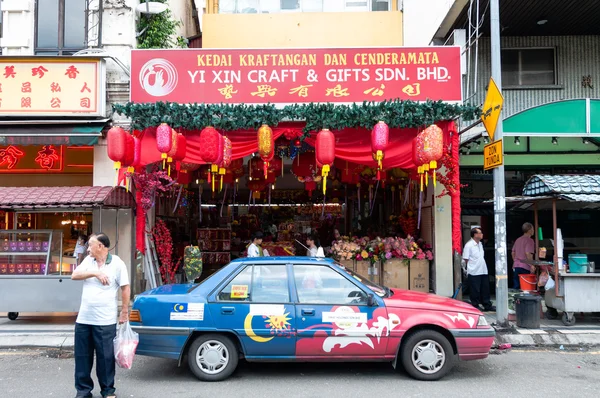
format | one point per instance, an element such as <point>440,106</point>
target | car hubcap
<point>428,356</point>
<point>212,357</point>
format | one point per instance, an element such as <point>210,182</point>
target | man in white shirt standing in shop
<point>96,325</point>
<point>479,282</point>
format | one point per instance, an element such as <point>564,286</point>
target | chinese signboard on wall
<point>52,86</point>
<point>296,75</point>
<point>35,159</point>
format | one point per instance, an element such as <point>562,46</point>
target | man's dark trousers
<point>480,291</point>
<point>90,338</point>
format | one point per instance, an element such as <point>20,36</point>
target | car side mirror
<point>371,300</point>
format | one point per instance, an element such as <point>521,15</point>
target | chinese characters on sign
<point>32,158</point>
<point>296,75</point>
<point>50,87</point>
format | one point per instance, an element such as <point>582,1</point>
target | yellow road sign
<point>491,108</point>
<point>492,155</point>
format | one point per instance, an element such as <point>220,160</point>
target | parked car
<point>304,309</point>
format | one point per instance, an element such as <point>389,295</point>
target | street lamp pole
<point>499,182</point>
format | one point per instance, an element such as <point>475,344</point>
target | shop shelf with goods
<point>34,275</point>
<point>215,244</point>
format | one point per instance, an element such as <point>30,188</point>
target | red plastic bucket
<point>528,282</point>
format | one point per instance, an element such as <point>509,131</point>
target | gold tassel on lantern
<point>425,171</point>
<point>421,171</point>
<point>433,166</point>
<point>221,173</point>
<point>325,172</point>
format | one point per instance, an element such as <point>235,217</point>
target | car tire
<point>427,355</point>
<point>13,316</point>
<point>212,357</point>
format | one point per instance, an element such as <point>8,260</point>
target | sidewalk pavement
<point>55,330</point>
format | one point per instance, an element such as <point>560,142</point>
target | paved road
<point>515,374</point>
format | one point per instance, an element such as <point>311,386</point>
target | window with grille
<point>528,67</point>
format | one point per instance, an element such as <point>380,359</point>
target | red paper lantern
<point>325,153</point>
<point>173,149</point>
<point>181,148</point>
<point>225,160</point>
<point>266,146</point>
<point>164,139</point>
<point>433,147</point>
<point>137,152</point>
<point>129,152</point>
<point>116,145</point>
<point>211,150</point>
<point>379,141</point>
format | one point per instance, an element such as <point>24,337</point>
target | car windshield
<point>381,291</point>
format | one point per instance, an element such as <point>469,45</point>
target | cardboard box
<point>418,274</point>
<point>395,274</point>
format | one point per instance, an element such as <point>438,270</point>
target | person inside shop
<point>80,248</point>
<point>477,271</point>
<point>255,249</point>
<point>314,249</point>
<point>522,252</point>
<point>96,325</point>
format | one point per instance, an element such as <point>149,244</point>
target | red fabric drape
<point>353,145</point>
<point>243,144</point>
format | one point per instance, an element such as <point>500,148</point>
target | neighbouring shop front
<point>224,143</point>
<point>557,138</point>
<point>52,113</point>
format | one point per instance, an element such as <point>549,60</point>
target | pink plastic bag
<point>125,344</point>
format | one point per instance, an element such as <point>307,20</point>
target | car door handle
<point>308,311</point>
<point>227,310</point>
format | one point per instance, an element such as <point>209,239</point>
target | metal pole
<point>499,196</point>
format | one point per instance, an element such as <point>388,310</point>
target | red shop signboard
<point>341,75</point>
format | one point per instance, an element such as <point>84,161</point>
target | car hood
<point>426,301</point>
<point>170,289</point>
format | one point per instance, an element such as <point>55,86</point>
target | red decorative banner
<point>296,75</point>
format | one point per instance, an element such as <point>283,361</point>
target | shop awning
<point>56,132</point>
<point>578,191</point>
<point>39,198</point>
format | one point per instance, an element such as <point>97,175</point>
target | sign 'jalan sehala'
<point>296,75</point>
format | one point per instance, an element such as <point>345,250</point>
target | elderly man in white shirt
<point>95,328</point>
<point>477,271</point>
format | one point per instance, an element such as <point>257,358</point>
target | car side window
<point>270,284</point>
<point>258,284</point>
<point>317,284</point>
<point>239,287</point>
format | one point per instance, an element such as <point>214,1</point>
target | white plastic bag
<point>550,283</point>
<point>125,344</point>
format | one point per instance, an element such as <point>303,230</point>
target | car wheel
<point>212,357</point>
<point>427,355</point>
<point>13,316</point>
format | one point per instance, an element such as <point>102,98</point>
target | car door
<point>256,305</point>
<point>333,318</point>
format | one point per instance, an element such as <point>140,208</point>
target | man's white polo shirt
<point>98,301</point>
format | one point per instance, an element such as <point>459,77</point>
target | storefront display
<point>32,261</point>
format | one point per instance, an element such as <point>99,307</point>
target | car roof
<point>284,259</point>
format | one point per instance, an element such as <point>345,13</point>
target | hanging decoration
<point>379,142</point>
<point>116,145</point>
<point>420,160</point>
<point>266,146</point>
<point>164,140</point>
<point>211,151</point>
<point>325,154</point>
<point>137,153</point>
<point>433,148</point>
<point>226,161</point>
